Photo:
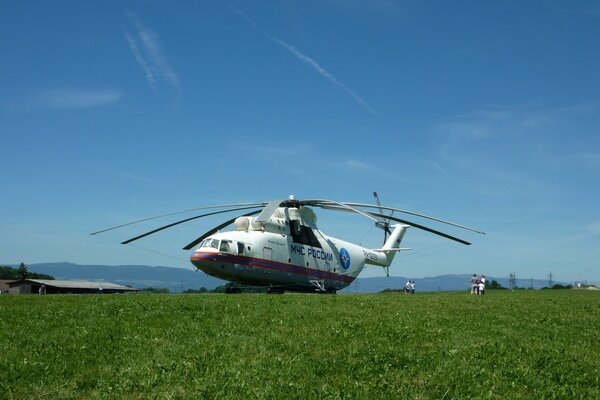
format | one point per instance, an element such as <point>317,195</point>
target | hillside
<point>138,276</point>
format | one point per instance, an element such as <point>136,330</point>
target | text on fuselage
<point>315,253</point>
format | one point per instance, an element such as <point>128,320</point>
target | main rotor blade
<point>424,228</point>
<point>385,224</point>
<point>181,222</point>
<point>378,202</point>
<point>418,226</point>
<point>329,204</point>
<point>217,228</point>
<point>261,204</point>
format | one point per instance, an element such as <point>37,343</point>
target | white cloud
<point>355,165</point>
<point>494,123</point>
<point>440,168</point>
<point>307,60</point>
<point>520,121</point>
<point>519,150</point>
<point>587,232</point>
<point>390,8</point>
<point>77,98</point>
<point>590,160</point>
<point>149,55</point>
<point>136,178</point>
<point>303,154</point>
<point>280,149</point>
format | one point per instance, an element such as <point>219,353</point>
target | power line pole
<point>550,280</point>
<point>512,281</point>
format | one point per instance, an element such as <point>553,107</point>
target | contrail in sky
<point>140,59</point>
<point>149,55</point>
<point>305,59</point>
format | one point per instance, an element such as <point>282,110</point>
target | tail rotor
<point>383,223</point>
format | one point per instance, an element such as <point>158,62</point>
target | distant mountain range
<point>180,279</point>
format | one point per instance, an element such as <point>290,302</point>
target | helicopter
<point>282,248</point>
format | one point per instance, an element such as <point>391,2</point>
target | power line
<point>512,281</point>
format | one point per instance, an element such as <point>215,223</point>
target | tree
<point>10,273</point>
<point>201,290</point>
<point>494,285</point>
<point>559,286</point>
<point>22,271</point>
<point>155,290</point>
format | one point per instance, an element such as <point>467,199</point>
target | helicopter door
<point>267,253</point>
<point>240,247</point>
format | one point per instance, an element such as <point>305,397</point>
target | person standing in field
<point>474,284</point>
<point>412,287</point>
<point>407,287</point>
<point>482,284</point>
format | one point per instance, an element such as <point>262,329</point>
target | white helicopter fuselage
<point>288,251</point>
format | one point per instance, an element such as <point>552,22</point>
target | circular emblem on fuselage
<point>344,258</point>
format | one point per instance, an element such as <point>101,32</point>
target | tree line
<point>10,273</point>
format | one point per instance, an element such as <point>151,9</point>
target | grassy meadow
<point>445,345</point>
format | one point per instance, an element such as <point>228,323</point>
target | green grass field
<point>523,344</point>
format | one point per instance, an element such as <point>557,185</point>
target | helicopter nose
<point>200,263</point>
<point>201,260</point>
<point>204,261</point>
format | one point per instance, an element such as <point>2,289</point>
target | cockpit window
<point>214,243</point>
<point>240,247</point>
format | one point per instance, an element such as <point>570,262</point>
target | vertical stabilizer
<point>392,245</point>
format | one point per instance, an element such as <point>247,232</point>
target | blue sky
<point>483,114</point>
